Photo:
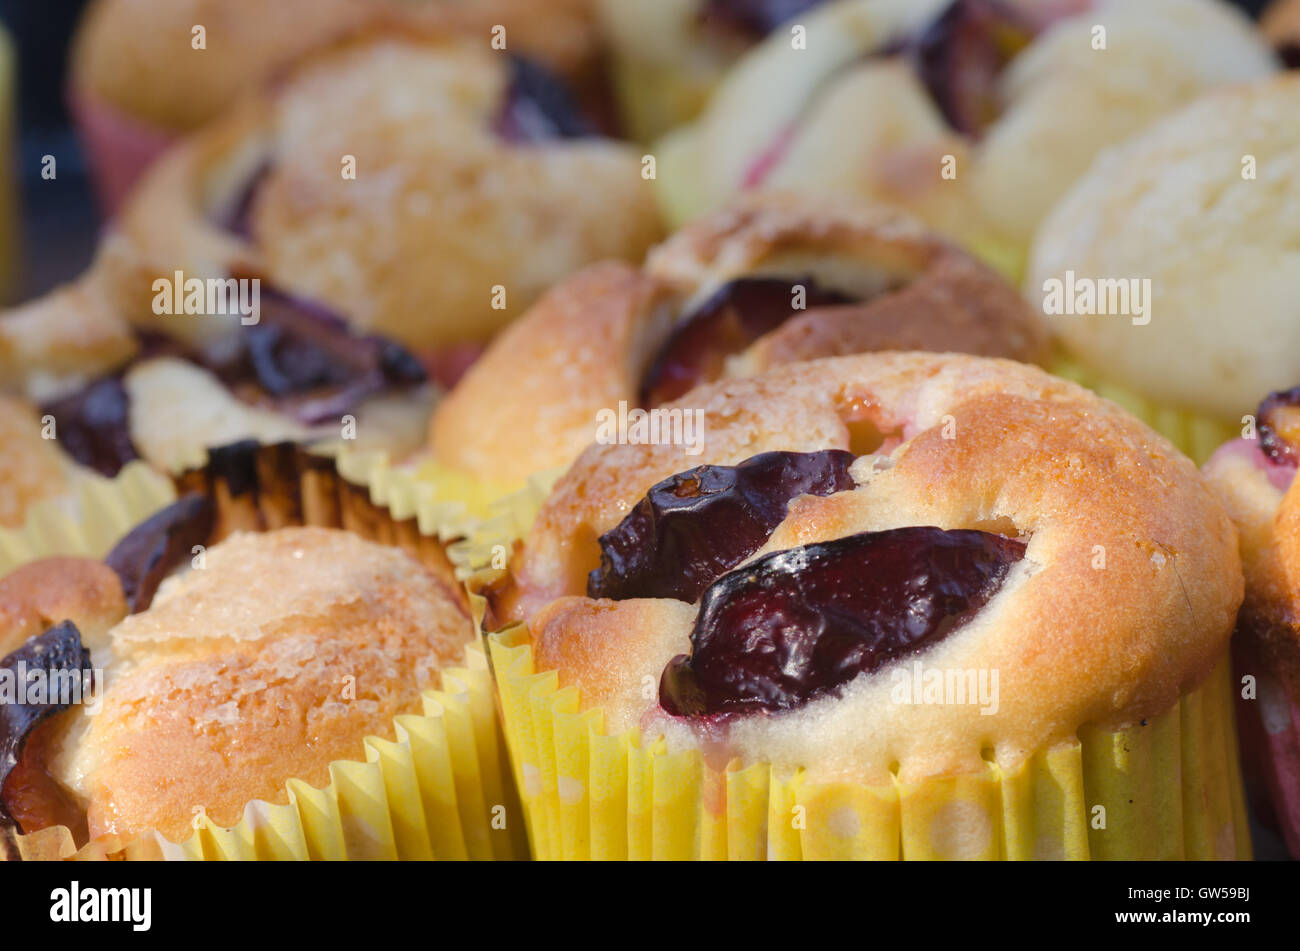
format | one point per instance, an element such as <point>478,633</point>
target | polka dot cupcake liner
<point>1195,435</point>
<point>441,788</point>
<point>1166,788</point>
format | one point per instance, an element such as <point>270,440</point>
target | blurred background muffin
<point>1019,95</point>
<point>1204,207</point>
<point>391,203</point>
<point>134,91</point>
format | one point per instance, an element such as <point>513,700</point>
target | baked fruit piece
<point>772,279</point>
<point>231,682</point>
<point>137,83</point>
<point>367,285</point>
<point>1203,208</point>
<point>1016,93</point>
<point>1255,477</point>
<point>1281,26</point>
<point>860,513</point>
<point>667,55</point>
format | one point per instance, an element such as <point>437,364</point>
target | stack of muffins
<point>423,470</point>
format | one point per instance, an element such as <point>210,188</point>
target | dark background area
<point>59,223</point>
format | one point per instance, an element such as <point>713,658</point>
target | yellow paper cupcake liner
<point>489,543</point>
<point>111,507</point>
<point>1168,788</point>
<point>1195,435</point>
<point>442,789</point>
<point>435,792</point>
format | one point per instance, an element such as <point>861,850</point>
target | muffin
<point>974,115</point>
<point>1200,215</point>
<point>1255,477</point>
<point>769,280</point>
<point>281,654</point>
<point>734,655</point>
<point>253,289</point>
<point>343,187</point>
<point>667,55</point>
<point>135,90</point>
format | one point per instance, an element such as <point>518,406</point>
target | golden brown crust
<point>439,214</point>
<point>277,657</point>
<point>31,467</point>
<point>155,75</point>
<point>985,444</point>
<point>47,592</point>
<point>586,345</point>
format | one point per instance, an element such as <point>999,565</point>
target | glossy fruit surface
<point>799,624</point>
<point>698,524</point>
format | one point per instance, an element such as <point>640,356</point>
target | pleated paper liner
<point>434,792</point>
<point>442,789</point>
<point>1195,435</point>
<point>1166,789</point>
<point>489,543</point>
<point>55,526</point>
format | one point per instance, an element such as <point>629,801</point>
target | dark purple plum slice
<point>238,219</point>
<point>310,362</point>
<point>694,526</point>
<point>728,321</point>
<point>1278,425</point>
<point>961,54</point>
<point>799,624</point>
<point>93,425</point>
<point>538,107</point>
<point>157,546</point>
<point>754,18</point>
<point>59,649</point>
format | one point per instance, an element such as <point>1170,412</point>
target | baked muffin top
<point>1205,205</point>
<point>1119,576</point>
<point>770,279</point>
<point>276,657</point>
